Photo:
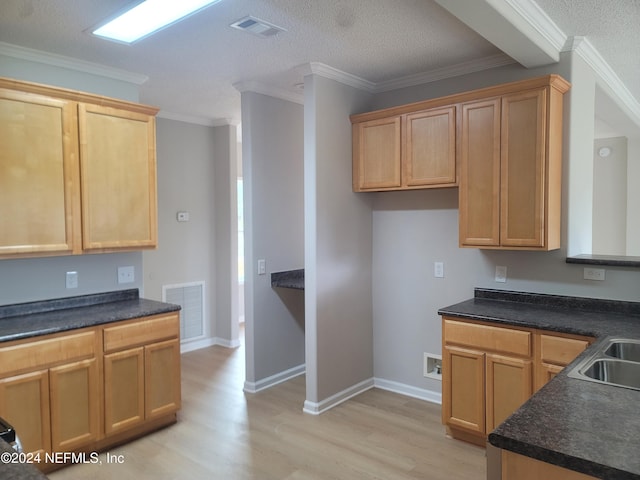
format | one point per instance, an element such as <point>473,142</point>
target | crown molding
<point>459,69</point>
<point>583,47</point>
<point>537,18</point>
<point>195,120</point>
<point>323,70</point>
<point>269,90</point>
<point>56,60</point>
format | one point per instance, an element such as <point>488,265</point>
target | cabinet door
<point>123,390</point>
<point>118,178</point>
<point>162,378</point>
<point>38,175</point>
<point>74,405</point>
<point>509,382</point>
<point>480,174</point>
<point>523,169</point>
<point>24,402</point>
<point>430,155</point>
<point>376,154</point>
<point>463,399</point>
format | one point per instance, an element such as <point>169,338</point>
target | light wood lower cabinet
<point>141,371</point>
<point>489,371</point>
<point>92,388</point>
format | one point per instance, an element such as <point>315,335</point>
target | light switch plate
<point>438,269</point>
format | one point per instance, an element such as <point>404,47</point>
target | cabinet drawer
<point>42,353</point>
<point>486,337</point>
<point>560,350</point>
<point>141,332</point>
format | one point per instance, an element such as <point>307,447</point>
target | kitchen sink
<point>616,362</point>
<point>614,372</point>
<point>624,350</point>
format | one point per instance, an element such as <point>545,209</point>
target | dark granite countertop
<point>289,279</point>
<point>611,260</point>
<point>584,426</point>
<point>32,319</point>
<point>17,471</point>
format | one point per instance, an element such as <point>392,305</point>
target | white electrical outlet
<point>262,267</point>
<point>71,280</point>
<point>501,274</point>
<point>438,269</point>
<point>593,274</point>
<point>126,274</point>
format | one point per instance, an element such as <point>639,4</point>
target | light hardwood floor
<point>223,433</point>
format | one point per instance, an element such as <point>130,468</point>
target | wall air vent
<point>257,27</point>
<point>190,296</point>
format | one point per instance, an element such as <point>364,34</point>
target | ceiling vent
<point>257,27</point>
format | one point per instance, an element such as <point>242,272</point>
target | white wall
<point>610,197</point>
<point>32,279</point>
<point>633,196</point>
<point>338,248</point>
<point>272,154</point>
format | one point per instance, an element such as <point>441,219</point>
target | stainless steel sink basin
<point>614,372</point>
<point>616,362</point>
<point>624,350</point>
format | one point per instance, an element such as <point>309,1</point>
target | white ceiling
<point>193,65</point>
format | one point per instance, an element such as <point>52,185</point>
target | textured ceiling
<point>193,64</point>
<point>612,27</point>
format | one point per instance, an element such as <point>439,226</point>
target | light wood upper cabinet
<point>77,172</point>
<point>118,175</point>
<point>510,172</point>
<point>377,154</point>
<point>39,209</point>
<point>405,151</point>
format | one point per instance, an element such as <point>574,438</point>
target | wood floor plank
<point>223,433</point>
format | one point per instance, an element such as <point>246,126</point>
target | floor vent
<point>190,296</point>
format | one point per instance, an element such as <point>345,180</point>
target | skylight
<point>149,17</point>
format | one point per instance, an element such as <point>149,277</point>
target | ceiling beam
<point>519,28</point>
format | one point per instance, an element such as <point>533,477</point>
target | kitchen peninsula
<point>583,426</point>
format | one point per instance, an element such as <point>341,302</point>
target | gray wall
<point>23,280</point>
<point>188,157</point>
<point>272,155</point>
<point>338,246</point>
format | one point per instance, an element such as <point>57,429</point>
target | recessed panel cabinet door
<point>523,172</point>
<point>24,403</point>
<point>430,154</point>
<point>118,178</point>
<point>38,175</point>
<point>480,174</point>
<point>74,405</point>
<point>463,399</point>
<point>123,390</point>
<point>509,385</point>
<point>162,378</point>
<point>377,154</point>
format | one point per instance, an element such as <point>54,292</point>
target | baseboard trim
<point>316,408</point>
<point>408,390</point>
<point>255,387</point>
<point>190,346</point>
